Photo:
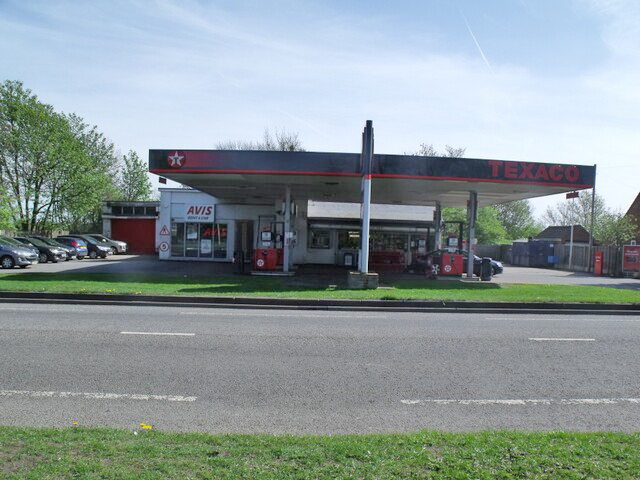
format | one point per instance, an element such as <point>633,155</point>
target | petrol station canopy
<point>261,177</point>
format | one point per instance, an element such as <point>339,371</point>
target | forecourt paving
<point>244,370</point>
<point>149,264</point>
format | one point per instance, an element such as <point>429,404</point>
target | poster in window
<point>205,246</point>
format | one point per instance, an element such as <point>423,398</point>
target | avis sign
<point>200,213</point>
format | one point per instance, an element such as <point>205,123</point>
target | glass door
<point>177,239</point>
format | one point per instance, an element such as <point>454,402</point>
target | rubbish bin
<point>485,269</point>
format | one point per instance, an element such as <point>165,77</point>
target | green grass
<point>418,289</point>
<point>109,453</point>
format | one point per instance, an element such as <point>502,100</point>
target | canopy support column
<point>365,208</point>
<point>287,229</point>
<point>438,222</point>
<point>472,211</point>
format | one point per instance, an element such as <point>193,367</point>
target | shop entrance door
<point>244,239</point>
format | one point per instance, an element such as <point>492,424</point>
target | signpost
<point>571,196</point>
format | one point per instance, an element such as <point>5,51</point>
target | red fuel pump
<point>451,264</point>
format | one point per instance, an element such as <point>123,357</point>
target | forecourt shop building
<point>244,201</point>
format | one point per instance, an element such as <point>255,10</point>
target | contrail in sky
<point>484,58</point>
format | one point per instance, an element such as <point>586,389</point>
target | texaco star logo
<point>176,160</point>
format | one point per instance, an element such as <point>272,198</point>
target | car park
<point>116,246</point>
<point>47,253</point>
<point>77,243</point>
<point>14,254</point>
<point>94,248</point>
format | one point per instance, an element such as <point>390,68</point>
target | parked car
<point>69,251</point>
<point>13,241</point>
<point>77,243</point>
<point>95,250</point>
<point>13,254</point>
<point>47,253</point>
<point>116,246</point>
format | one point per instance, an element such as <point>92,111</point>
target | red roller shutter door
<point>139,233</point>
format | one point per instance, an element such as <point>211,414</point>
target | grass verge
<point>419,289</point>
<point>109,453</point>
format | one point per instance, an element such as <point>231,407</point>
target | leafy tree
<point>489,229</point>
<point>614,228</point>
<point>517,219</point>
<point>81,206</point>
<point>283,141</point>
<point>50,163</point>
<point>6,211</point>
<point>134,183</point>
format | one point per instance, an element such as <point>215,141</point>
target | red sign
<point>534,171</point>
<point>631,258</point>
<point>573,195</point>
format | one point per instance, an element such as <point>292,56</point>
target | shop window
<point>177,239</point>
<point>320,239</point>
<point>349,239</point>
<point>138,211</point>
<point>116,210</point>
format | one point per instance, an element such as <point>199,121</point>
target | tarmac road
<point>243,370</point>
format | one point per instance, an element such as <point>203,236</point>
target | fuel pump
<point>269,242</point>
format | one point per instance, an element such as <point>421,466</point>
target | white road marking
<point>160,333</point>
<point>48,310</point>
<point>95,396</point>
<point>327,315</point>
<point>563,319</point>
<point>563,339</point>
<point>548,401</point>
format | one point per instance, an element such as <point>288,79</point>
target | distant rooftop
<point>563,233</point>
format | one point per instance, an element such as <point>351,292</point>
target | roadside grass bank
<point>274,287</point>
<point>109,453</point>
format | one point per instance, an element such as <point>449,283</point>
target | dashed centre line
<point>563,339</point>
<point>95,396</point>
<point>278,315</point>
<point>170,334</point>
<point>512,402</point>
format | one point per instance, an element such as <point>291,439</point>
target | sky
<point>528,80</point>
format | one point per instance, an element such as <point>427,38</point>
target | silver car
<point>116,246</point>
<point>15,255</point>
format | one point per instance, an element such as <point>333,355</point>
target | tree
<point>427,150</point>
<point>81,206</point>
<point>614,228</point>
<point>51,164</point>
<point>517,219</point>
<point>133,183</point>
<point>489,229</point>
<point>575,211</point>
<point>6,211</point>
<point>283,141</point>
